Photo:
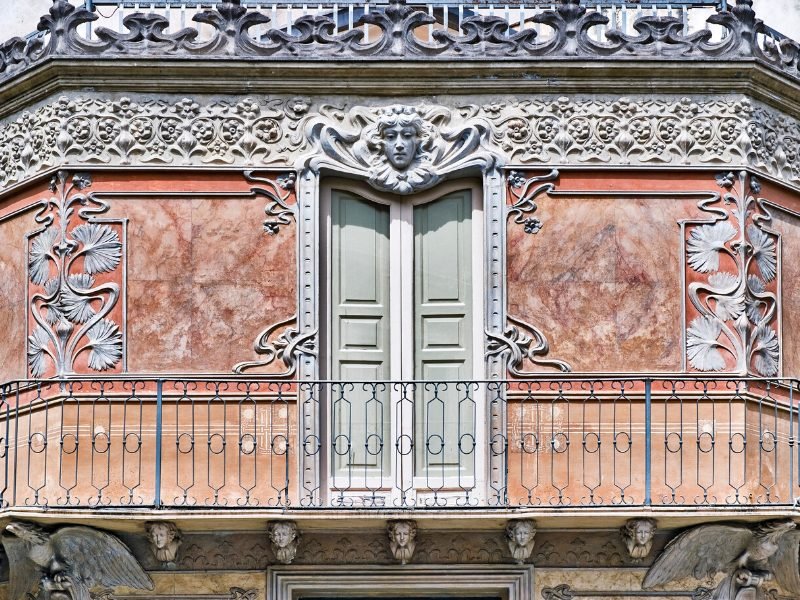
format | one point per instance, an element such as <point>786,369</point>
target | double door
<point>403,305</point>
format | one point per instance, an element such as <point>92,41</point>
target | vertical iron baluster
<point>591,443</point>
<point>101,445</point>
<point>5,396</point>
<point>648,442</point>
<point>701,474</point>
<point>623,441</point>
<point>216,443</point>
<point>135,434</point>
<point>247,443</point>
<point>184,444</point>
<point>64,447</point>
<point>159,431</point>
<point>559,443</point>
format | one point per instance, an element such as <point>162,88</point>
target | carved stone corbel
<point>165,540</point>
<point>284,537</point>
<point>402,539</point>
<point>520,536</point>
<point>638,536</point>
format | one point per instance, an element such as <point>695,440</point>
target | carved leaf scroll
<point>69,306</point>
<point>734,295</point>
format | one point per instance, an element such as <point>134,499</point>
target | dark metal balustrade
<point>550,443</point>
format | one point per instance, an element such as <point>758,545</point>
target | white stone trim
<point>509,582</point>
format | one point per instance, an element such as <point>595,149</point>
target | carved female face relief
<point>401,143</point>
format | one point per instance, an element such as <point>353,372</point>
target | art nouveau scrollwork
<point>278,211</point>
<point>400,149</point>
<point>748,555</point>
<point>566,30</point>
<point>182,131</point>
<point>66,563</point>
<point>281,342</point>
<point>735,259</point>
<point>71,293</point>
<point>523,342</point>
<point>523,193</point>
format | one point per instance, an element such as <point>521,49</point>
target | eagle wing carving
<point>700,552</point>
<point>85,556</point>
<point>23,573</point>
<point>785,563</point>
<point>104,560</point>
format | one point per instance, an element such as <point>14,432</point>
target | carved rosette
<point>75,266</point>
<point>177,131</point>
<point>732,280</point>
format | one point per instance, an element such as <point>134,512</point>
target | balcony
<point>213,444</point>
<point>104,30</point>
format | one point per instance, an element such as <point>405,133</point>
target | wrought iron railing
<point>187,443</point>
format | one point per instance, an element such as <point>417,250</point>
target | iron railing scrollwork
<point>570,442</point>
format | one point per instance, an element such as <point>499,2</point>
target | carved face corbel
<point>520,535</point>
<point>638,536</point>
<point>402,539</point>
<point>284,537</point>
<point>165,539</point>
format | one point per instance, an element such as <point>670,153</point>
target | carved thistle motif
<point>567,30</point>
<point>733,287</point>
<point>747,554</point>
<point>67,563</point>
<point>72,261</point>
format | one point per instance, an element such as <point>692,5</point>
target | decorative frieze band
<point>716,132</point>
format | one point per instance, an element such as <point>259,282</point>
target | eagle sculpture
<point>68,562</point>
<point>749,555</point>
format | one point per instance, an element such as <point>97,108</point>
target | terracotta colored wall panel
<point>602,277</point>
<point>204,277</point>
<point>785,210</point>
<point>12,298</point>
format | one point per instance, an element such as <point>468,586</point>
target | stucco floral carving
<point>71,297</point>
<point>733,292</point>
<point>244,132</point>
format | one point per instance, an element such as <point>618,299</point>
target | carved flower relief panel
<point>76,283</point>
<point>732,282</point>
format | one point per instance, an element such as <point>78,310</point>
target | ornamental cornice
<point>566,31</point>
<point>174,131</point>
